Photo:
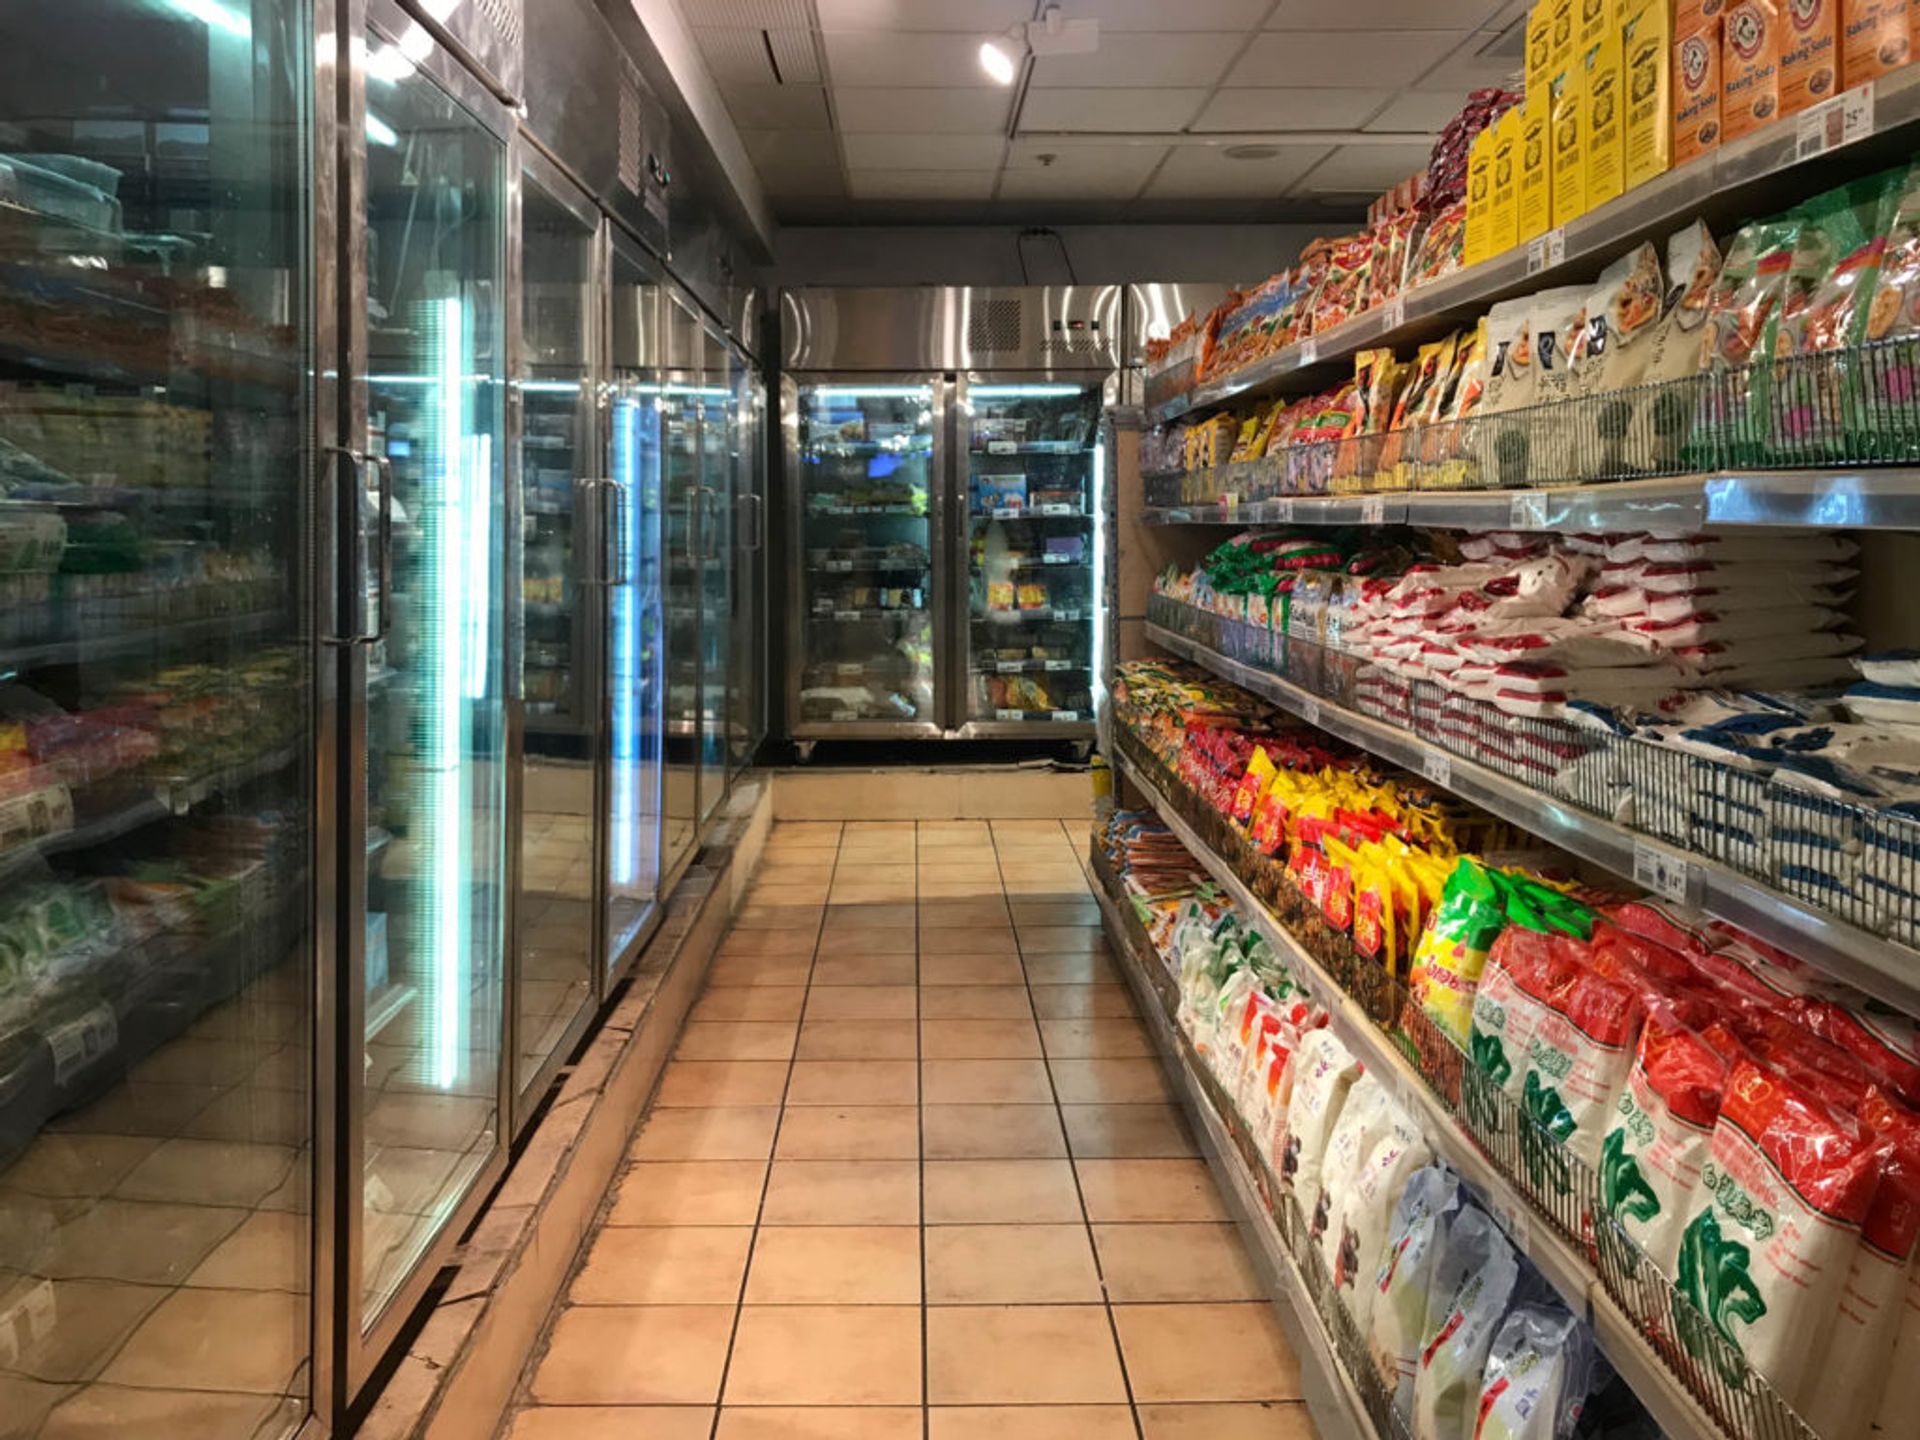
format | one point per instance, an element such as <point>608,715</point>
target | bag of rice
<point>1900,1401</point>
<point>1776,1219</point>
<point>1663,1123</point>
<point>1473,1284</point>
<point>1367,1115</point>
<point>1538,1371</point>
<point>1361,1223</point>
<point>1867,1326</point>
<point>1524,969</point>
<point>1885,1041</point>
<point>1323,1073</point>
<point>1397,1326</point>
<point>1577,1060</point>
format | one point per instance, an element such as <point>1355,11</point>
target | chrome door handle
<point>355,580</point>
<point>754,506</point>
<point>384,572</point>
<point>621,571</point>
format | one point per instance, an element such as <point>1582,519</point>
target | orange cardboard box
<point>1696,94</point>
<point>1809,53</point>
<point>1874,39</point>
<point>1692,16</point>
<point>1749,67</point>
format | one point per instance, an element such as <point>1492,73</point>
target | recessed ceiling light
<point>997,59</point>
<point>1251,152</point>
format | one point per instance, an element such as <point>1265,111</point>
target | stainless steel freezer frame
<point>1063,339</point>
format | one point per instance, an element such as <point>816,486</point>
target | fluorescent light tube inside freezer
<point>444,604</point>
<point>1021,392</point>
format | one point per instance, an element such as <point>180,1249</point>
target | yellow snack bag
<point>1253,784</point>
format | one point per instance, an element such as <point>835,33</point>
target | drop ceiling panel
<point>1384,14</point>
<point>882,151</point>
<point>1141,60</point>
<point>945,111</point>
<point>1277,110</point>
<point>1109,110</point>
<point>750,14</point>
<point>1361,59</point>
<point>981,17</point>
<point>811,183</point>
<point>921,184</point>
<point>1077,172</point>
<point>791,149</point>
<point>736,57</point>
<point>1364,169</point>
<point>1466,69</point>
<point>778,107</point>
<point>873,57</point>
<point>1419,110</point>
<point>1203,172</point>
<point>794,53</point>
<point>1116,15</point>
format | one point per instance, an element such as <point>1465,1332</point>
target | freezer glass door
<point>1031,553</point>
<point>866,492</point>
<point>434,761</point>
<point>156,720</point>
<point>559,594</point>
<point>719,440</point>
<point>681,504</point>
<point>635,653</point>
<point>747,667</point>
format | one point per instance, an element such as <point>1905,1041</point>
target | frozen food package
<point>1362,1222</point>
<point>1765,1254</point>
<point>1397,1325</point>
<point>1538,1371</point>
<point>1473,1283</point>
<point>1324,1072</point>
<point>1650,1161</point>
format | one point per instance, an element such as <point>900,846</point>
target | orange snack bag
<point>1749,67</point>
<point>1874,39</point>
<point>1696,94</point>
<point>1809,53</point>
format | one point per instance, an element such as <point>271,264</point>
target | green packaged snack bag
<point>1739,326</point>
<point>1453,948</point>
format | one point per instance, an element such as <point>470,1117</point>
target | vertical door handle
<point>384,554</point>
<point>622,556</point>
<point>752,520</point>
<point>355,579</point>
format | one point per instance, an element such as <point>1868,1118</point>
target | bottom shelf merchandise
<point>1721,1134</point>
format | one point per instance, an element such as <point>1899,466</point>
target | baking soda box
<point>1809,53</point>
<point>1646,59</point>
<point>1749,67</point>
<point>1874,38</point>
<point>1696,94</point>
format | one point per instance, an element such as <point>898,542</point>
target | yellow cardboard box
<point>1569,144</point>
<point>1504,231</point>
<point>1534,208</point>
<point>1560,36</point>
<point>1646,62</point>
<point>1479,198</point>
<point>1592,20</point>
<point>1606,121</point>
<point>1539,49</point>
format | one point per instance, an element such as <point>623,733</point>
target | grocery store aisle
<point>914,1171</point>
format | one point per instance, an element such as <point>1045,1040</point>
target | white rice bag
<point>1324,1072</point>
<point>1362,1221</point>
<point>1650,1160</point>
<point>1472,1286</point>
<point>1363,1120</point>
<point>1397,1325</point>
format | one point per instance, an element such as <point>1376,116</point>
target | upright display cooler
<point>945,493</point>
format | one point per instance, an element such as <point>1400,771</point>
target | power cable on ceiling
<point>1032,232</point>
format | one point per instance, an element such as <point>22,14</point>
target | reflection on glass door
<point>634,649</point>
<point>554,911</point>
<point>435,725</point>
<point>156,740</point>
<point>747,656</point>
<point>681,506</point>
<point>719,436</point>
<point>866,492</point>
<point>1031,503</point>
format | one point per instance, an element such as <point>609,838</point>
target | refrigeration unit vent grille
<point>629,132</point>
<point>1081,342</point>
<point>504,16</point>
<point>994,325</point>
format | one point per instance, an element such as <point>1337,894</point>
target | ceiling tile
<point>1140,109</point>
<point>1077,172</point>
<point>1283,110</point>
<point>1384,14</point>
<point>799,149</point>
<point>945,111</point>
<point>1361,59</point>
<point>809,182</point>
<point>1419,110</point>
<point>882,151</point>
<point>870,57</point>
<point>1134,60</point>
<point>1466,69</point>
<point>778,107</point>
<point>795,55</point>
<point>1120,15</point>
<point>921,184</point>
<point>980,17</point>
<point>736,57</point>
<point>752,14</point>
<point>1364,169</point>
<point>1203,172</point>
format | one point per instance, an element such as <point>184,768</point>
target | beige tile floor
<point>913,1172</point>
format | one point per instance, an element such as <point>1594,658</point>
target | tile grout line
<point>779,1123</point>
<point>1073,1168</point>
<point>920,1123</point>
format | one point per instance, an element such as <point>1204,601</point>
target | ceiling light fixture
<point>1051,34</point>
<point>1251,152</point>
<point>999,59</point>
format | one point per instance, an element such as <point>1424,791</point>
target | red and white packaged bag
<point>1777,1217</point>
<point>1651,1158</point>
<point>1866,1328</point>
<point>1793,547</point>
<point>1582,1048</point>
<point>1885,1041</point>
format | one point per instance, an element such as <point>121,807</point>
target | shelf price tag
<point>1070,616</point>
<point>1281,511</point>
<point>1395,313</point>
<point>1546,251</point>
<point>1057,559</point>
<point>1003,447</point>
<point>1004,512</point>
<point>1307,353</point>
<point>846,614</point>
<point>1659,870</point>
<point>1437,766</point>
<point>1009,714</point>
<point>1373,510</point>
<point>1511,1215</point>
<point>1009,667</point>
<point>1310,710</point>
<point>1056,508</point>
<point>1054,666</point>
<point>1840,121</point>
<point>843,717</point>
<point>1527,510</point>
<point>839,567</point>
<point>1066,717</point>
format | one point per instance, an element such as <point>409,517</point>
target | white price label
<point>1308,352</point>
<point>844,717</point>
<point>1054,558</point>
<point>839,567</point>
<point>1528,510</point>
<point>1396,312</point>
<point>1230,502</point>
<point>846,614</point>
<point>1056,509</point>
<point>1070,616</point>
<point>1009,667</point>
<point>1512,1217</point>
<point>1005,512</point>
<point>1437,766</point>
<point>1003,447</point>
<point>1054,666</point>
<point>1839,121</point>
<point>1546,251</point>
<point>1661,871</point>
<point>77,1043</point>
<point>1280,511</point>
<point>1066,717</point>
<point>1310,710</point>
<point>1373,510</point>
<point>1009,714</point>
<point>1556,246</point>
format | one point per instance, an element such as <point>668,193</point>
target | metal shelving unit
<point>1560,1263</point>
<point>1884,969</point>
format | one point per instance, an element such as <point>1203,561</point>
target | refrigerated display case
<point>945,494</point>
<point>719,437</point>
<point>747,655</point>
<point>680,509</point>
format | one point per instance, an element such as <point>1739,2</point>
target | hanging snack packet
<point>1538,1371</point>
<point>1473,1282</point>
<point>1453,948</point>
<point>1651,1159</point>
<point>1397,1324</point>
<point>1765,1254</point>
